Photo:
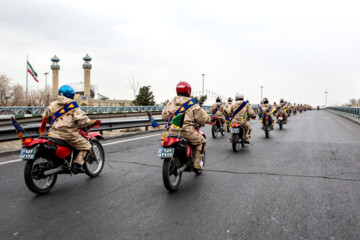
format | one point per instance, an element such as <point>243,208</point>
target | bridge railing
<point>355,111</point>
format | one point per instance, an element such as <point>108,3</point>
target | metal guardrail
<point>36,111</point>
<point>8,133</point>
<point>355,111</point>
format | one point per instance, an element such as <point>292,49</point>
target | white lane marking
<point>132,139</point>
<point>105,144</point>
<point>11,161</point>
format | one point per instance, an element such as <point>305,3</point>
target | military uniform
<point>66,127</point>
<point>194,115</point>
<point>264,108</point>
<point>281,109</point>
<point>238,118</point>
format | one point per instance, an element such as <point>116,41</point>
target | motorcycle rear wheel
<point>94,168</point>
<point>235,142</point>
<point>280,125</point>
<point>267,133</point>
<point>171,178</point>
<point>33,174</point>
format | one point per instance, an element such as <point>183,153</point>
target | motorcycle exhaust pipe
<point>181,169</point>
<point>52,171</point>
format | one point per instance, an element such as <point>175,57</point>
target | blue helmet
<point>67,91</point>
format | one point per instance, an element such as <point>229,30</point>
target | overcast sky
<point>296,50</point>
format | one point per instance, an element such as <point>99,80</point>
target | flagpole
<point>26,78</point>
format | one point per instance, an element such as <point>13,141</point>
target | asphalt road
<point>302,183</point>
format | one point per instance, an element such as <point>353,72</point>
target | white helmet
<point>239,96</point>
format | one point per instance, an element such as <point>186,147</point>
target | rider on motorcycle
<point>217,110</point>
<point>229,103</point>
<point>194,114</point>
<point>281,107</point>
<point>239,116</point>
<point>265,106</point>
<point>65,117</point>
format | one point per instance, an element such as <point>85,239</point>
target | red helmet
<point>183,87</point>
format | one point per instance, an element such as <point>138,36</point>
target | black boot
<point>77,168</point>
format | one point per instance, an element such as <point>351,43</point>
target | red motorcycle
<point>217,127</point>
<point>46,157</point>
<point>178,155</point>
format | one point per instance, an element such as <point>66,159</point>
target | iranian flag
<point>32,71</point>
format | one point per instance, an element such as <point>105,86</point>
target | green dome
<point>55,59</point>
<point>87,58</point>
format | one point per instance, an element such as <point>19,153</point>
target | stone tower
<point>87,67</point>
<point>55,67</point>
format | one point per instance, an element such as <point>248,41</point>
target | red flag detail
<point>42,128</point>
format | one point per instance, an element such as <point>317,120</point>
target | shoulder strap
<point>182,109</point>
<point>239,109</point>
<point>216,109</point>
<point>67,108</point>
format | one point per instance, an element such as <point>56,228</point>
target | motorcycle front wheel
<point>34,176</point>
<point>171,177</point>
<point>94,164</point>
<point>267,133</point>
<point>214,131</point>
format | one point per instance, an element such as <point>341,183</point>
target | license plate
<point>27,153</point>
<point>166,152</point>
<point>280,118</point>
<point>235,130</point>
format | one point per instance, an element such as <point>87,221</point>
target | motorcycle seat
<point>58,141</point>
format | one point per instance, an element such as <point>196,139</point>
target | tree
<point>352,101</point>
<point>18,98</point>
<point>5,90</point>
<point>145,97</point>
<point>134,86</point>
<point>200,100</point>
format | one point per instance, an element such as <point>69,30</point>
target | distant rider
<point>267,111</point>
<point>281,109</point>
<point>238,114</point>
<point>217,110</point>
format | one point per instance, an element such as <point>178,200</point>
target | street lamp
<point>46,89</point>
<point>326,98</point>
<point>261,93</point>
<point>203,75</point>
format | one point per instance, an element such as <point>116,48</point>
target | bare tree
<point>5,90</point>
<point>133,86</point>
<point>358,102</point>
<point>352,101</point>
<point>18,98</point>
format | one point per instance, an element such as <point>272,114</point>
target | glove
<point>93,123</point>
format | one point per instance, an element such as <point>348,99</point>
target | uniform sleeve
<point>201,116</point>
<point>81,119</point>
<point>212,108</point>
<point>250,111</point>
<point>48,115</point>
<point>165,113</point>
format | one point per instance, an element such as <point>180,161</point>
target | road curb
<point>345,115</point>
<point>12,152</point>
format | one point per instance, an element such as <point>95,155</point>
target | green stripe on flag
<point>32,70</point>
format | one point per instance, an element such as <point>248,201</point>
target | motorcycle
<point>237,136</point>
<point>267,125</point>
<point>294,112</point>
<point>281,121</point>
<point>178,155</point>
<point>217,127</point>
<point>46,157</point>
